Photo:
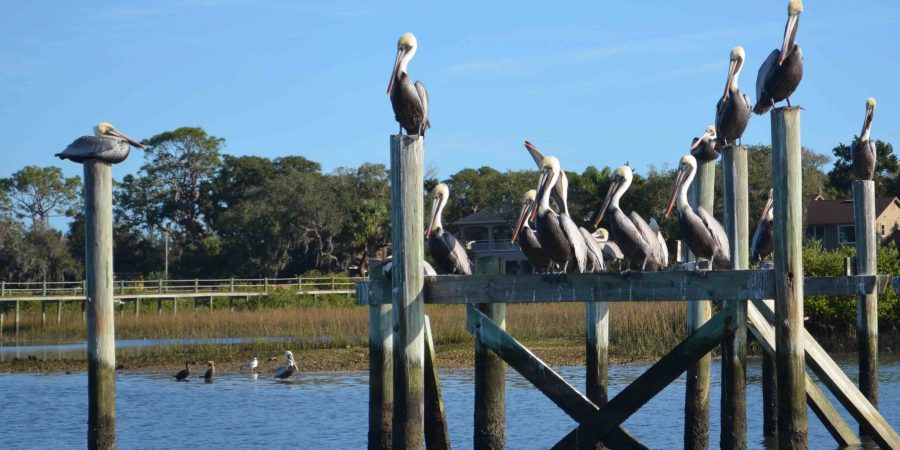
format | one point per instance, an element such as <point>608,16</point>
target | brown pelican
<point>781,72</point>
<point>562,184</point>
<point>703,233</point>
<point>662,242</point>
<point>252,365</point>
<point>610,249</point>
<point>559,236</point>
<point>409,100</point>
<point>704,147</point>
<point>863,151</point>
<point>210,372</point>
<point>447,252</point>
<point>634,237</point>
<point>526,237</point>
<point>388,263</point>
<point>183,373</point>
<point>762,243</point>
<point>733,109</point>
<point>107,145</point>
<point>283,373</point>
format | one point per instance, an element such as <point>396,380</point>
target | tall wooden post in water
<point>696,406</point>
<point>381,360</point>
<point>490,374</point>
<point>734,348</point>
<point>866,304</point>
<point>789,342</point>
<point>407,276</point>
<point>98,258</point>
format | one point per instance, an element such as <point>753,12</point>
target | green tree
<point>39,193</point>
<point>886,168</point>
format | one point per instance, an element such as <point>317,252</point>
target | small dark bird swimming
<point>183,373</point>
<point>781,72</point>
<point>704,148</point>
<point>409,100</point>
<point>448,253</point>
<point>733,109</point>
<point>862,151</point>
<point>210,371</point>
<point>107,145</point>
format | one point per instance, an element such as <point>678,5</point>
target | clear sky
<point>594,82</point>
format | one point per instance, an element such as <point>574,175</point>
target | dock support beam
<point>734,349</point>
<point>101,342</point>
<point>490,374</point>
<point>407,276</point>
<point>696,406</point>
<point>381,370</point>
<point>789,352</point>
<point>596,327</point>
<point>866,305</point>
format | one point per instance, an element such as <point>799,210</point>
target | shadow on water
<point>327,410</point>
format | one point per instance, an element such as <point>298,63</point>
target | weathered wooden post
<point>789,354</point>
<point>299,284</point>
<point>407,275</point>
<point>734,348</point>
<point>596,328</point>
<point>266,285</point>
<point>101,342</point>
<point>43,304</point>
<point>196,285</point>
<point>866,305</point>
<point>59,305</point>
<point>381,360</point>
<point>490,374</point>
<point>770,399</point>
<point>175,306</point>
<point>17,317</point>
<point>696,406</point>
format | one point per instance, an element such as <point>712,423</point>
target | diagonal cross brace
<point>550,383</point>
<point>657,377</point>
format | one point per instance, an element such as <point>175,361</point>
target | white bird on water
<point>107,144</point>
<point>284,373</point>
<point>253,364</point>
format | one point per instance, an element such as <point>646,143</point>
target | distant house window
<point>883,230</point>
<point>847,234</point>
<point>815,232</point>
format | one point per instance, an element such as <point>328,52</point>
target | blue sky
<point>596,82</point>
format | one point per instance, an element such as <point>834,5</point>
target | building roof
<point>836,212</point>
<point>486,216</point>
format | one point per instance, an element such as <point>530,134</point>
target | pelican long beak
<point>765,212</point>
<point>400,53</point>
<point>613,187</point>
<point>706,136</point>
<point>523,217</point>
<point>536,154</point>
<point>732,69</point>
<point>435,204</point>
<point>679,180</point>
<point>542,188</point>
<point>127,139</point>
<point>867,123</point>
<point>790,33</point>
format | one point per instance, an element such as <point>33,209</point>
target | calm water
<point>328,410</point>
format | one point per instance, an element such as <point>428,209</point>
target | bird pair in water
<point>183,374</point>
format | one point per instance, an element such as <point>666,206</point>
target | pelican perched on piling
<point>526,237</point>
<point>733,109</point>
<point>559,236</point>
<point>763,238</point>
<point>210,371</point>
<point>107,144</point>
<point>252,365</point>
<point>704,235</point>
<point>183,373</point>
<point>704,148</point>
<point>863,151</point>
<point>283,373</point>
<point>781,72</point>
<point>409,100</point>
<point>448,253</point>
<point>633,235</point>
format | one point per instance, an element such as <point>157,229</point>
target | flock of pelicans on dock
<point>557,244</point>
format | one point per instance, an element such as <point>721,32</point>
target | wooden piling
<point>866,305</point>
<point>596,327</point>
<point>437,434</point>
<point>770,399</point>
<point>59,305</point>
<point>789,355</point>
<point>18,310</point>
<point>407,273</point>
<point>100,314</point>
<point>381,369</point>
<point>696,406</point>
<point>734,349</point>
<point>490,374</point>
<point>43,314</point>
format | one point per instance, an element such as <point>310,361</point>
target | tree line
<point>249,216</point>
